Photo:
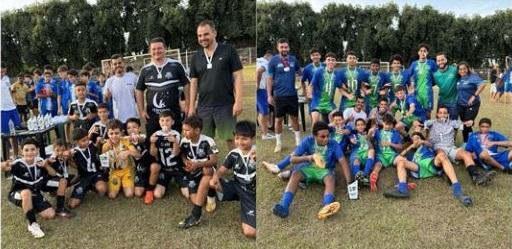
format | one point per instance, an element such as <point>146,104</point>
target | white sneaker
<point>268,136</point>
<point>271,167</point>
<point>285,174</point>
<point>35,229</point>
<point>278,148</point>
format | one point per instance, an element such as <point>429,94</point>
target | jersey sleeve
<point>272,66</point>
<point>499,137</point>
<point>71,110</point>
<point>396,138</point>
<point>297,65</point>
<point>141,84</point>
<point>93,107</point>
<point>212,147</point>
<point>305,75</point>
<point>302,148</point>
<point>230,161</point>
<point>184,80</point>
<point>315,81</point>
<point>472,144</point>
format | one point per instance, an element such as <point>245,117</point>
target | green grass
<point>128,223</point>
<point>432,218</point>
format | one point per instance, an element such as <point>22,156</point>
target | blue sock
<point>457,188</point>
<point>287,199</point>
<point>368,167</point>
<point>402,187</point>
<point>328,198</point>
<point>285,162</point>
<point>355,168</point>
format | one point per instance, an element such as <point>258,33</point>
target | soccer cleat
<point>35,230</point>
<point>410,186</point>
<point>464,199</point>
<point>373,182</point>
<point>280,211</point>
<point>365,181</point>
<point>329,210</point>
<point>65,213</point>
<point>278,148</point>
<point>211,204</point>
<point>148,198</point>
<point>396,194</point>
<point>359,176</point>
<point>483,179</point>
<point>189,222</point>
<point>271,167</point>
<point>284,174</point>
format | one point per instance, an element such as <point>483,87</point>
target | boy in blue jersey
<point>422,78</point>
<point>46,92</point>
<point>374,88</point>
<point>64,94</point>
<point>281,91</point>
<point>387,143</point>
<point>308,72</point>
<point>352,77</point>
<point>423,163</point>
<point>92,87</point>
<point>413,114</point>
<point>397,76</point>
<point>317,156</point>
<point>323,87</point>
<point>484,144</point>
<point>363,153</point>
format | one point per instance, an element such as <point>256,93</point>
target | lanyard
<point>159,70</point>
<point>81,109</point>
<point>396,78</point>
<point>64,167</point>
<point>88,159</point>
<point>329,81</point>
<point>36,170</point>
<point>352,81</point>
<point>209,59</point>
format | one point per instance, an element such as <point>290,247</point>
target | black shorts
<point>22,109</point>
<point>286,105</point>
<point>39,203</point>
<point>183,180</point>
<point>232,191</point>
<point>87,183</point>
<point>142,171</point>
<point>325,116</point>
<point>468,112</point>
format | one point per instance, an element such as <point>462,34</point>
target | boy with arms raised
<point>28,173</point>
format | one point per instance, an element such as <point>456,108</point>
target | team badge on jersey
<point>168,75</point>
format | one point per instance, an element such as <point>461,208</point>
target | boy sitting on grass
<point>317,156</point>
<point>242,187</point>
<point>423,164</point>
<point>85,156</point>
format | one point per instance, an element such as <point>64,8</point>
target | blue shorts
<point>10,115</point>
<point>502,159</point>
<point>262,101</point>
<point>501,88</point>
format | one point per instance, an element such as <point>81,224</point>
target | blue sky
<point>18,4</point>
<point>458,7</point>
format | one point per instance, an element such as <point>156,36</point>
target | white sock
<point>297,137</point>
<point>278,138</point>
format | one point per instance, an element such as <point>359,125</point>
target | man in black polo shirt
<point>216,74</point>
<point>161,78</point>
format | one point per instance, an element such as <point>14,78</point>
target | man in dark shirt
<point>216,75</point>
<point>161,78</point>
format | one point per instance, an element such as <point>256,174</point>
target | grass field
<point>128,223</point>
<point>432,218</point>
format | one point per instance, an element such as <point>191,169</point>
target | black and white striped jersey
<point>244,169</point>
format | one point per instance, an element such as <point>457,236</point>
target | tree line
<point>379,32</point>
<point>75,32</point>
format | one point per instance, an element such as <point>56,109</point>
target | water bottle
<point>12,129</point>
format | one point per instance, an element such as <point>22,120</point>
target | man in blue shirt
<point>422,78</point>
<point>281,91</point>
<point>484,144</point>
<point>316,157</point>
<point>352,77</point>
